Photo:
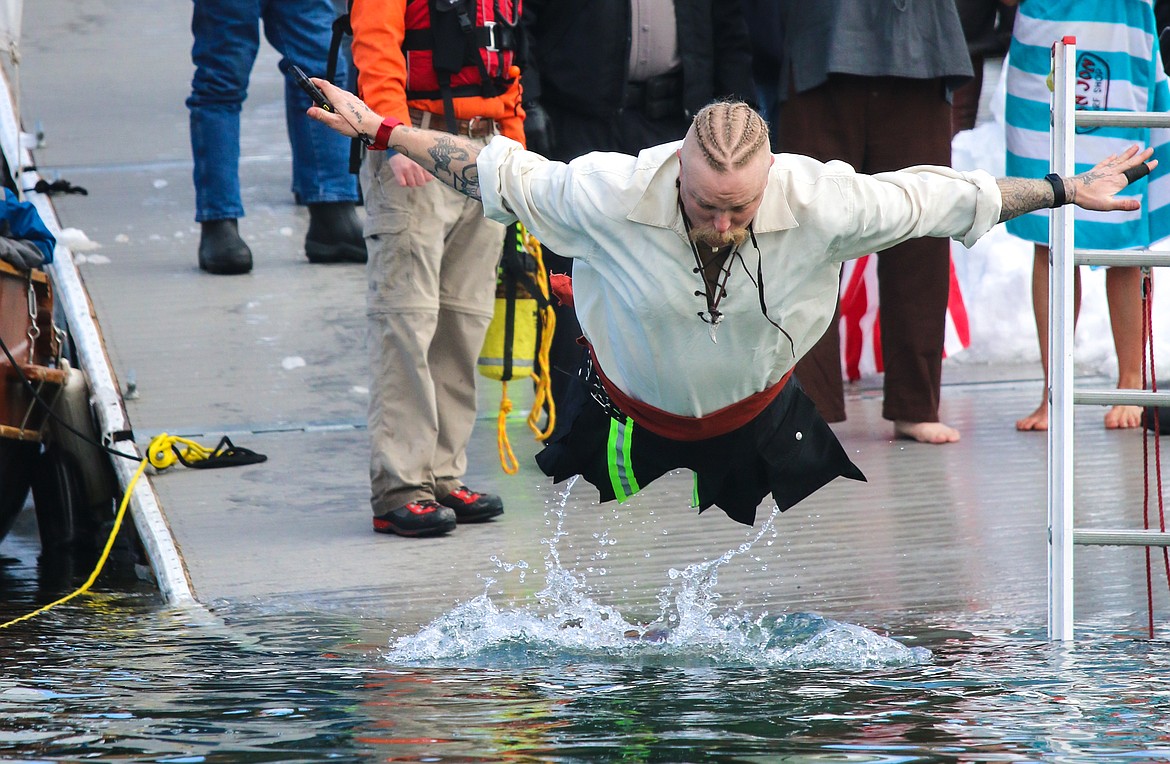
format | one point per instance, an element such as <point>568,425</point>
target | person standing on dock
<point>431,279</point>
<point>704,270</point>
<point>227,39</point>
<point>869,83</point>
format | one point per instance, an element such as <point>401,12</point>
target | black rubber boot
<point>335,234</point>
<point>221,250</point>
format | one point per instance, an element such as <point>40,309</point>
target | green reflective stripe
<point>611,458</point>
<point>617,452</point>
<point>695,489</point>
<point>628,451</point>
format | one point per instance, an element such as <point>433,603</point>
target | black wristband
<point>1059,198</point>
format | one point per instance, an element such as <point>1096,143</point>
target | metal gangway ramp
<point>1062,536</point>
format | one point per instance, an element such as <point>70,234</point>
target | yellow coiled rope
<point>548,324</point>
<point>163,451</point>
<point>508,461</point>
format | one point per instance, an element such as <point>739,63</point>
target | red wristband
<point>382,139</point>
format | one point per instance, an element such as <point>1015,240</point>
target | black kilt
<point>787,450</point>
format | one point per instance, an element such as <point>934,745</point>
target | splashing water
<point>569,625</point>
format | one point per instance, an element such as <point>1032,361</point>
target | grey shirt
<point>915,39</point>
<point>653,39</point>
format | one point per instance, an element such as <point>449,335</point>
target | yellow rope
<point>161,452</point>
<point>507,458</point>
<point>101,560</point>
<point>543,380</point>
<point>548,319</point>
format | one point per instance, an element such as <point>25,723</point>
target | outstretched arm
<point>450,158</point>
<point>1091,190</point>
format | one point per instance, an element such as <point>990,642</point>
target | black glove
<point>537,129</point>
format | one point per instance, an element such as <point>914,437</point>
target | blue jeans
<point>227,38</point>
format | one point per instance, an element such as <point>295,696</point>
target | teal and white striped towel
<point>1119,68</point>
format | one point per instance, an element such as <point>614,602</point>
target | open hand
<point>1095,188</point>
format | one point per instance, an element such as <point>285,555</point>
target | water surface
<point>118,676</point>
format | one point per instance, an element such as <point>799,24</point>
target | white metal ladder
<point>1061,396</point>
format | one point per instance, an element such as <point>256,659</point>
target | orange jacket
<point>378,30</point>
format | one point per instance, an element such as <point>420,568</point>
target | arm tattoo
<point>1023,195</point>
<point>452,167</point>
<point>443,152</point>
<point>450,158</point>
<point>468,182</point>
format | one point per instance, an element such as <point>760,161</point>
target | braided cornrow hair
<point>729,133</point>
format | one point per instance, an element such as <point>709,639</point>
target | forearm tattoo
<point>451,166</point>
<point>1024,195</point>
<point>450,158</point>
<point>468,182</point>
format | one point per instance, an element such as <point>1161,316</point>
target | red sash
<point>688,428</point>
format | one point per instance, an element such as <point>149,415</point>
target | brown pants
<point>879,124</point>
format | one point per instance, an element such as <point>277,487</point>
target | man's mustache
<point>709,236</point>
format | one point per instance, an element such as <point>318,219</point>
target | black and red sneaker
<point>472,507</point>
<point>418,518</point>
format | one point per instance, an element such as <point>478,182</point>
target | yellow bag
<point>510,350</point>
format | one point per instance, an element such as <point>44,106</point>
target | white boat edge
<point>166,563</point>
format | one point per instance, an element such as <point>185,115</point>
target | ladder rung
<point>1121,397</point>
<point>1091,118</point>
<point>1138,258</point>
<point>1120,537</point>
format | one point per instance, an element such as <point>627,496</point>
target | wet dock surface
<point>277,361</point>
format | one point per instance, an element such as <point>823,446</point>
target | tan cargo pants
<point>431,281</point>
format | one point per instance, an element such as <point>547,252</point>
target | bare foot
<point>926,432</point>
<point>1123,418</point>
<point>1037,421</point>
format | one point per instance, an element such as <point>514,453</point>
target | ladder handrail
<point>1110,537</point>
<point>1060,361</point>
